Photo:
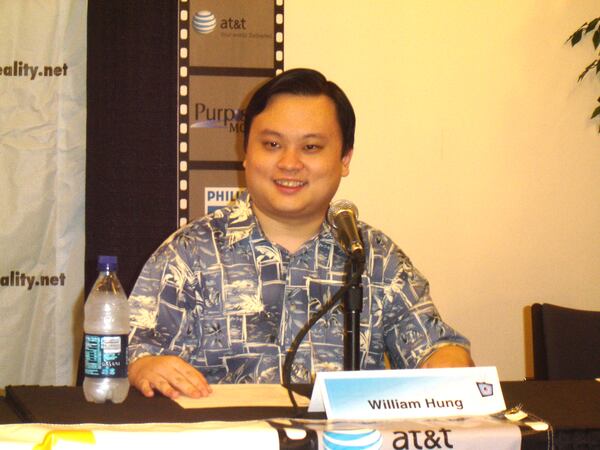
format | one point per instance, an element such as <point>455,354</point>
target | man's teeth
<point>289,183</point>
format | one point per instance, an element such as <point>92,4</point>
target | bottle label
<point>106,356</point>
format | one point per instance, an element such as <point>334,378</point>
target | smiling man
<point>222,299</point>
<point>294,165</point>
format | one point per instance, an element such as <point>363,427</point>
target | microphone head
<point>343,218</point>
<point>338,207</point>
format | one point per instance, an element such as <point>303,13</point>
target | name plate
<point>408,394</point>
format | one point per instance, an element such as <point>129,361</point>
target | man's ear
<point>346,162</point>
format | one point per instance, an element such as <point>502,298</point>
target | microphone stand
<point>353,304</point>
<point>291,353</point>
<point>351,292</point>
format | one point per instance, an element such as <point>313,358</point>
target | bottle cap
<point>106,262</point>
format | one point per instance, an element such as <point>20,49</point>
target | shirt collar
<point>243,224</point>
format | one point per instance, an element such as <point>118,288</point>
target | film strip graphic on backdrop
<point>226,49</point>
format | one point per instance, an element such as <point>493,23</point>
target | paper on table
<point>227,395</point>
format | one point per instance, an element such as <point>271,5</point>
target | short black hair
<point>306,82</point>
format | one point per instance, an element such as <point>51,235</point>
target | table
<point>7,414</point>
<point>571,407</point>
<point>66,405</point>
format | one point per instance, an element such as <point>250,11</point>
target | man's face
<point>294,158</point>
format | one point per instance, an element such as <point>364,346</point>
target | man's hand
<point>448,356</point>
<point>170,375</point>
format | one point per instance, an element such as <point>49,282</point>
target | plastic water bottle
<point>106,326</point>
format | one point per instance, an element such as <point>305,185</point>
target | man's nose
<point>291,159</point>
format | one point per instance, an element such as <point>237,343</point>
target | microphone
<point>343,216</point>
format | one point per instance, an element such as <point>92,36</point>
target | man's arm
<point>159,311</point>
<point>448,356</point>
<point>169,375</point>
<point>415,334</point>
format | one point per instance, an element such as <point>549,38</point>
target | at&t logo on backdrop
<point>204,22</point>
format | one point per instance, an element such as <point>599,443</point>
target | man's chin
<point>298,214</point>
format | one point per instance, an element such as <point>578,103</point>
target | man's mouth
<point>290,183</point>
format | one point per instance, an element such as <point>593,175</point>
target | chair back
<point>566,343</point>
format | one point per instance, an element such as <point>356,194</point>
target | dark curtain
<point>131,186</point>
<point>131,180</point>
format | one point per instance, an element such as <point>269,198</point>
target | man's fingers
<point>161,383</point>
<point>165,388</point>
<point>147,385</point>
<point>190,382</point>
<point>197,380</point>
<point>169,375</point>
<point>145,388</point>
<point>186,387</point>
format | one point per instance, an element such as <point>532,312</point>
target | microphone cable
<point>291,353</point>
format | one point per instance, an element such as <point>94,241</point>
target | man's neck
<point>288,234</point>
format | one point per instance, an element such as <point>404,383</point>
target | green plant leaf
<point>592,25</point>
<point>576,37</point>
<point>579,30</point>
<point>596,112</point>
<point>596,38</point>
<point>588,68</point>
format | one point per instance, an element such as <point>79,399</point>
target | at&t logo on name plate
<point>218,197</point>
<point>352,440</point>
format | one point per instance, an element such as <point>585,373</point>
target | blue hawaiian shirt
<point>220,295</point>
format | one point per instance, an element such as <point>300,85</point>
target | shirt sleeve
<point>413,327</point>
<point>162,314</point>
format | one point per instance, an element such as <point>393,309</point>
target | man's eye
<point>271,144</point>
<point>312,147</point>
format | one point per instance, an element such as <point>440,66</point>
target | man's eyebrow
<point>314,135</point>
<point>270,132</point>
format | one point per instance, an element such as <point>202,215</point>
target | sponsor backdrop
<point>166,91</point>
<point>42,161</point>
<point>226,49</point>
